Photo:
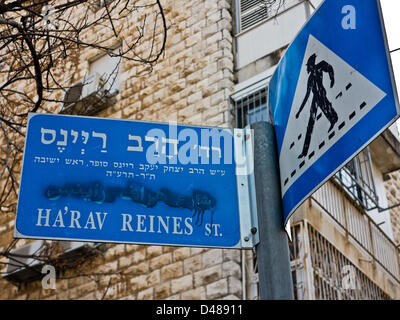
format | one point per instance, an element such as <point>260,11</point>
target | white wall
<point>274,33</point>
<point>390,10</point>
<point>270,35</point>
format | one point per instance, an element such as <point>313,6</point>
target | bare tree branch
<point>41,46</point>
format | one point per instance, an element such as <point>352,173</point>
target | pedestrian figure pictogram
<point>320,100</point>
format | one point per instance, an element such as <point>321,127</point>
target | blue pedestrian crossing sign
<point>332,93</point>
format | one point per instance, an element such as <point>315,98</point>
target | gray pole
<point>275,277</point>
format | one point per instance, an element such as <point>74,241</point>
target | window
<point>25,263</point>
<point>97,90</point>
<point>108,67</point>
<point>356,177</point>
<point>335,277</point>
<point>251,12</point>
<point>330,275</point>
<point>251,107</point>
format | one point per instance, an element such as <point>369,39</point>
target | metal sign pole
<point>275,278</point>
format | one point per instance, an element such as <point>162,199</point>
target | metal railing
<point>359,226</point>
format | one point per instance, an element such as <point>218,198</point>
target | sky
<point>391,15</point>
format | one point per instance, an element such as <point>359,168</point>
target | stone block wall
<point>392,186</point>
<point>190,84</point>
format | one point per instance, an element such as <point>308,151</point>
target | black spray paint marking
<point>199,202</point>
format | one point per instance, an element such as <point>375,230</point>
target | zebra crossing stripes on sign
<point>329,111</point>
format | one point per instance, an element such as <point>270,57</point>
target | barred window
<point>357,178</point>
<point>98,90</point>
<point>251,12</point>
<point>335,277</point>
<point>251,108</point>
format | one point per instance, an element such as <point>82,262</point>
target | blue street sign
<point>105,180</point>
<point>332,93</point>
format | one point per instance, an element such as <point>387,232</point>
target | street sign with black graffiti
<point>332,93</point>
<point>106,180</point>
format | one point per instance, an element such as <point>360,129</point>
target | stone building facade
<point>392,187</point>
<point>190,84</point>
<point>215,59</point>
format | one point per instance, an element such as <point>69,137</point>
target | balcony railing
<point>359,226</point>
